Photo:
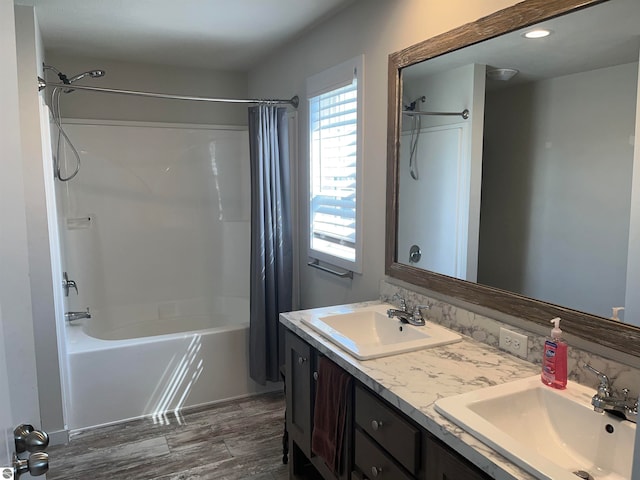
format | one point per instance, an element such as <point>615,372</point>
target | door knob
<point>27,439</point>
<point>37,464</point>
<point>415,254</point>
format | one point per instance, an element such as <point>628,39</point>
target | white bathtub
<point>155,367</point>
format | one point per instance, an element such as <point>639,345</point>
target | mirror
<point>535,184</point>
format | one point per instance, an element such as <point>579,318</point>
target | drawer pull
<point>315,376</point>
<point>375,471</point>
<point>375,424</point>
<point>301,360</point>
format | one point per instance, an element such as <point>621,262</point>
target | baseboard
<point>59,437</point>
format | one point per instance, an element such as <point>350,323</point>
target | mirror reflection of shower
<point>55,111</point>
<point>416,125</point>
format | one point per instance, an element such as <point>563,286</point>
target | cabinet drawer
<point>394,433</point>
<point>443,463</point>
<point>374,462</point>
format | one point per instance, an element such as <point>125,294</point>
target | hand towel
<point>330,413</point>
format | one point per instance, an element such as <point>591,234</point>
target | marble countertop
<point>414,381</point>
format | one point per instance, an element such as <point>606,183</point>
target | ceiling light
<point>539,33</point>
<point>502,74</point>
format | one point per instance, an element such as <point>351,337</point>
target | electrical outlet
<point>513,342</point>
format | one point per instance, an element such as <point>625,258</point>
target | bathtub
<point>156,367</point>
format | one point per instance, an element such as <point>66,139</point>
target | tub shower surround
<point>487,330</point>
<point>156,236</point>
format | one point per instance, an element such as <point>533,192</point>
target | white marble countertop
<point>414,381</point>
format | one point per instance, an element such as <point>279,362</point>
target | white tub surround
<point>156,236</point>
<point>414,381</point>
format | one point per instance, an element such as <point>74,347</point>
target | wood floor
<point>236,440</point>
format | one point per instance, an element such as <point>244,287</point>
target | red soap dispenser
<point>554,359</point>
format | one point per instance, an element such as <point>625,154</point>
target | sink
<point>549,433</point>
<point>369,333</point>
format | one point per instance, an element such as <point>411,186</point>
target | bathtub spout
<point>71,316</point>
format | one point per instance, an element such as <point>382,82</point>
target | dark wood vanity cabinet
<point>301,363</point>
<point>381,443</point>
<point>299,369</point>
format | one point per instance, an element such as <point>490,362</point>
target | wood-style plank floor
<point>241,439</point>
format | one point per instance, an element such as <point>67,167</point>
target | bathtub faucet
<point>71,316</point>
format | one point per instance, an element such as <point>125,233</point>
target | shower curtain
<point>271,255</point>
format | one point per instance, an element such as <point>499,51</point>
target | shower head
<point>90,73</point>
<point>413,105</point>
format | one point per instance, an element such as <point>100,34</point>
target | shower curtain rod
<point>294,101</point>
<point>464,114</point>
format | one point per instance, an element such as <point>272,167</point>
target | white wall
<point>557,186</point>
<point>151,78</point>
<point>375,28</point>
<point>15,291</point>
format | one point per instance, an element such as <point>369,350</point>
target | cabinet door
<point>298,370</point>
<point>444,464</point>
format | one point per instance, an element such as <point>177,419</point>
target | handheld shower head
<point>90,73</point>
<point>413,105</point>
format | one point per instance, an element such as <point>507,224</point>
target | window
<point>335,140</point>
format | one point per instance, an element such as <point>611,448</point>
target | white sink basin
<point>368,333</point>
<point>549,433</point>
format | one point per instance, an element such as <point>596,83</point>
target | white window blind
<point>334,152</point>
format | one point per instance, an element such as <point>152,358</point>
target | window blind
<point>333,135</point>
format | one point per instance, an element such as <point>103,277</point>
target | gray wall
<point>375,28</point>
<point>151,78</point>
<point>30,57</point>
<point>557,187</point>
<point>15,290</point>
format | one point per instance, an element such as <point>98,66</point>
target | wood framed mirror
<point>591,327</point>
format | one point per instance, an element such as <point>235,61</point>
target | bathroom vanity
<point>393,430</point>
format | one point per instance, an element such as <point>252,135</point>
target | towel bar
<point>315,263</point>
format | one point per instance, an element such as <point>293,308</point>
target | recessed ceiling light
<point>539,33</point>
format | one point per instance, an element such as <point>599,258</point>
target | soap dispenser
<point>554,359</point>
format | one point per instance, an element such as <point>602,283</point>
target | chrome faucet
<point>404,316</point>
<point>605,401</point>
<point>71,316</point>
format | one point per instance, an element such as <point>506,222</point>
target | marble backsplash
<point>487,330</point>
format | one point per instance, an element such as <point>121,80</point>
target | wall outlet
<point>515,343</point>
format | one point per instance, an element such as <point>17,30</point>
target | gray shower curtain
<point>271,255</point>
